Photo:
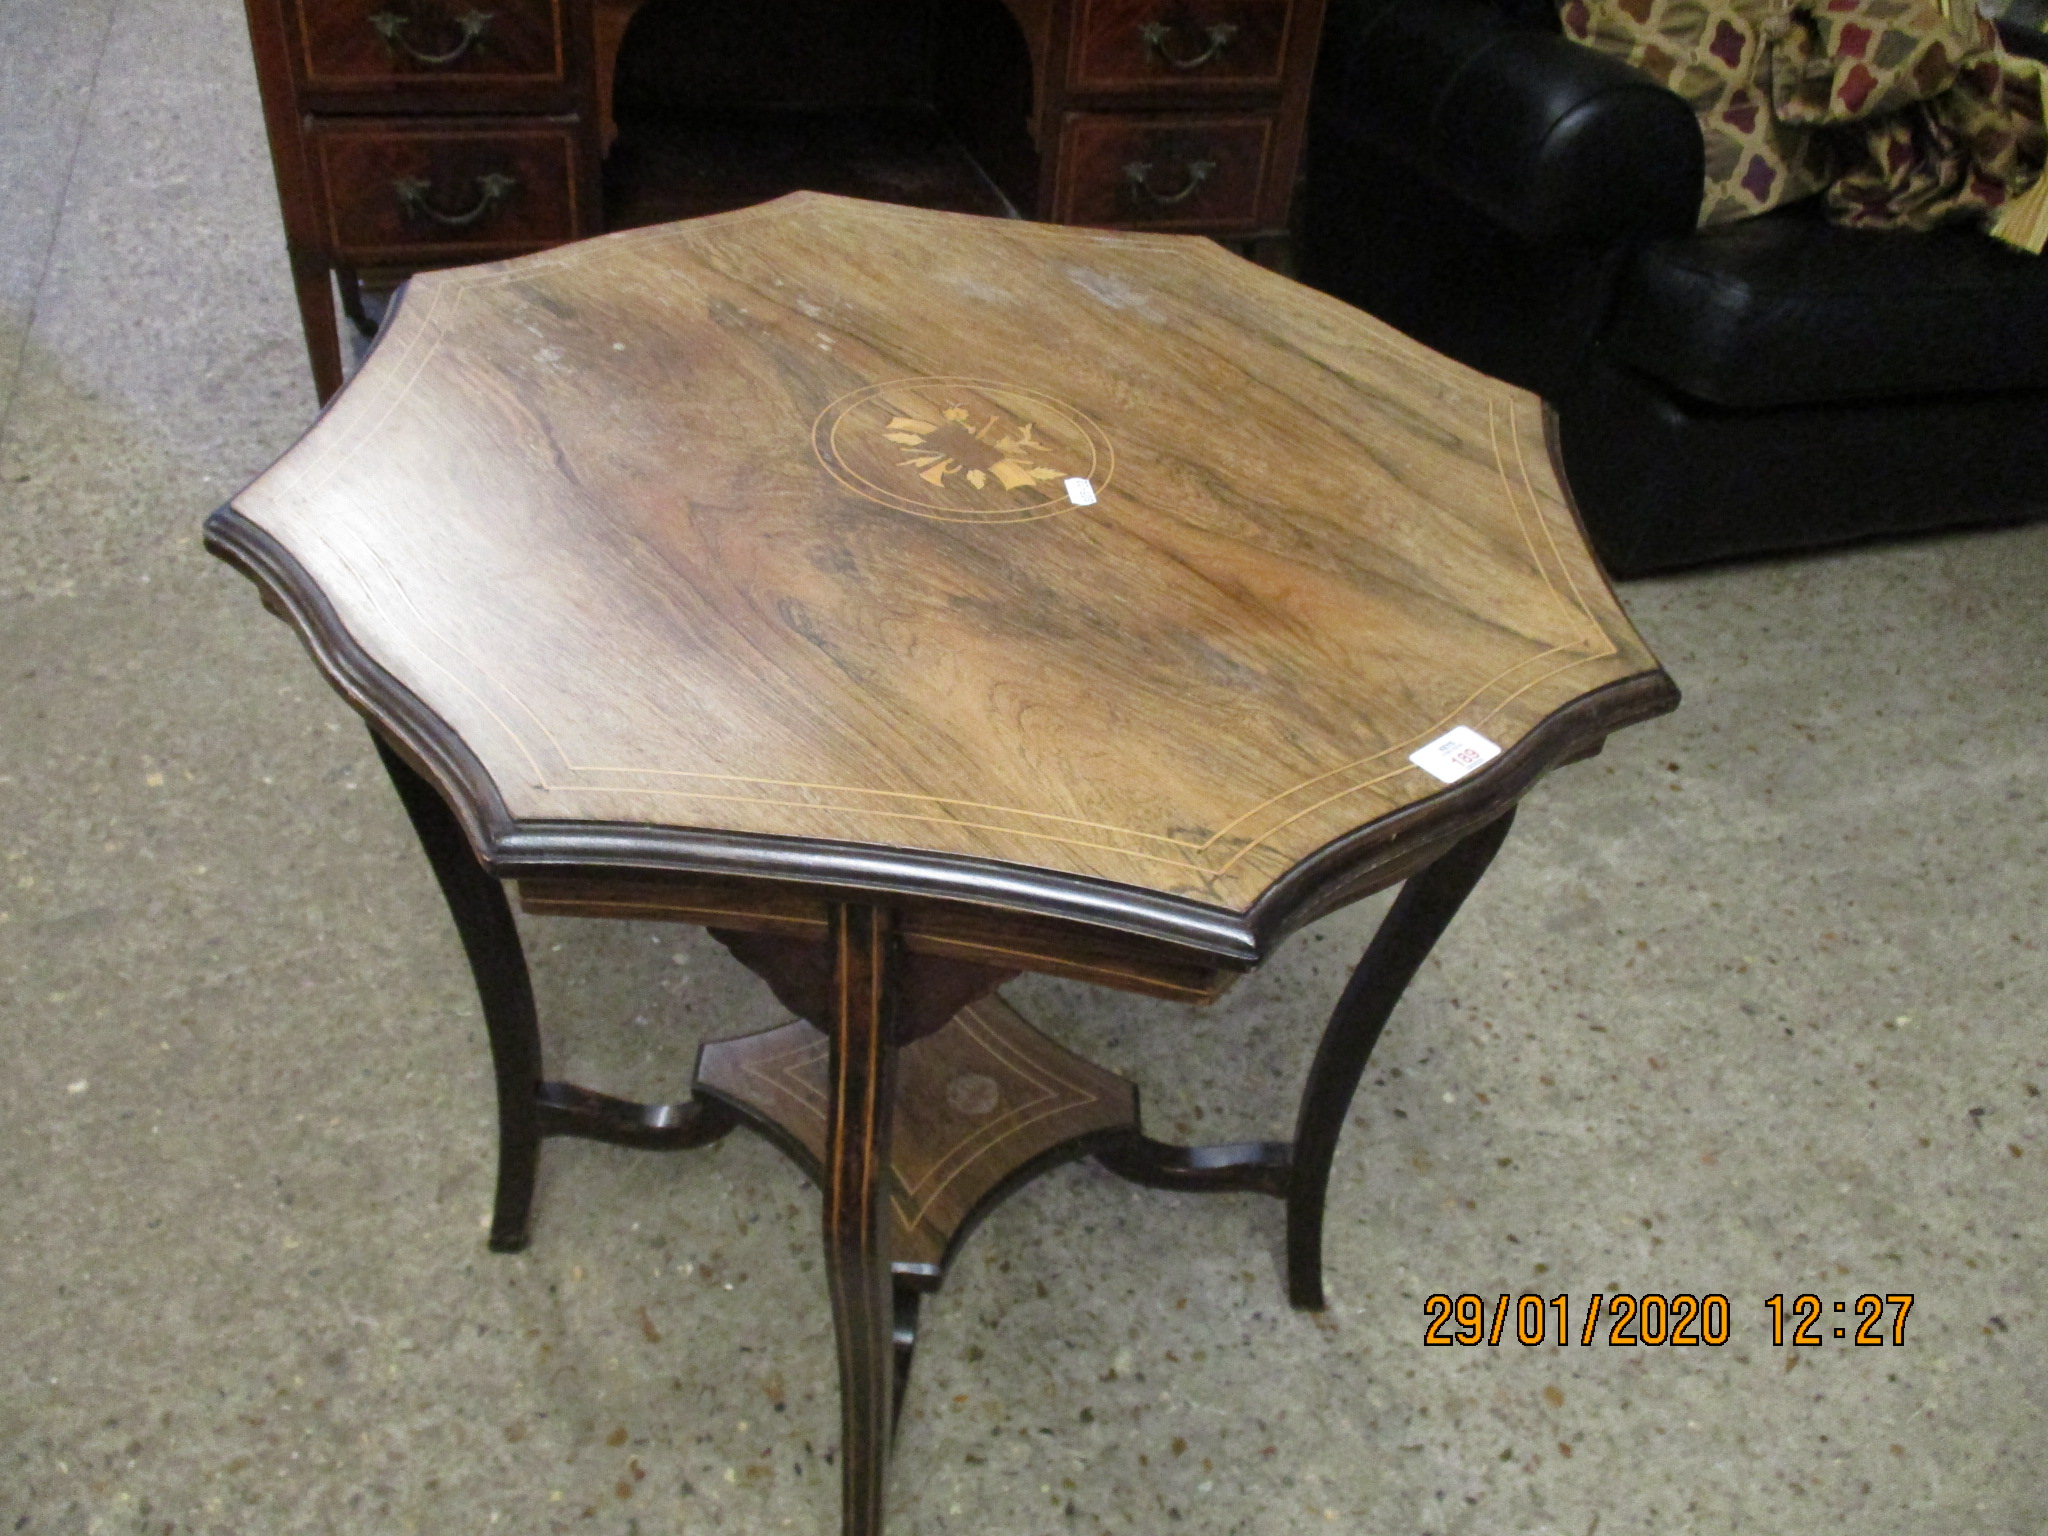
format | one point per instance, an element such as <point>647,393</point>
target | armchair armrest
<point>2027,42</point>
<point>1557,142</point>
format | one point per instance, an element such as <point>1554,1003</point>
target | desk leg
<point>860,1102</point>
<point>1420,914</point>
<point>483,918</point>
<point>315,290</point>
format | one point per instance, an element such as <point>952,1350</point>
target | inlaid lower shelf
<point>981,1106</point>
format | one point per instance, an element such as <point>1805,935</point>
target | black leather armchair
<point>1527,206</point>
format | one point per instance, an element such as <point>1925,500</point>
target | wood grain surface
<point>1004,940</point>
<point>1098,149</point>
<point>1113,51</point>
<point>859,1105</point>
<point>976,1103</point>
<point>754,526</point>
<point>342,48</point>
<point>361,162</point>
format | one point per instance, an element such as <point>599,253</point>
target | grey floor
<point>1751,1005</point>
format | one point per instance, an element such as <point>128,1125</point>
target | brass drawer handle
<point>1139,174</point>
<point>391,27</point>
<point>1156,33</point>
<point>492,188</point>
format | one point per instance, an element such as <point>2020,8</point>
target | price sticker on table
<point>1454,754</point>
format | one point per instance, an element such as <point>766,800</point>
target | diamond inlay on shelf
<point>984,1098</point>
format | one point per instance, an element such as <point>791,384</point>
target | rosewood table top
<point>1104,576</point>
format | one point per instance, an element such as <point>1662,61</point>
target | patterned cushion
<point>1972,148</point>
<point>1712,53</point>
<point>1909,115</point>
<point>1841,60</point>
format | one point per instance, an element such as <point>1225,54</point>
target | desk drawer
<point>1180,45</point>
<point>382,47</point>
<point>398,191</point>
<point>1206,173</point>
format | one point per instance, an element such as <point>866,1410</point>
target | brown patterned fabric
<point>1973,148</point>
<point>1908,117</point>
<point>1711,53</point>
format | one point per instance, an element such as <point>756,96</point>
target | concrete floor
<point>1750,1005</point>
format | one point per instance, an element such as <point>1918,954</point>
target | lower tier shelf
<point>981,1106</point>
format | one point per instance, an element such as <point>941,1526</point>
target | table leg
<point>860,1103</point>
<point>529,1109</point>
<point>350,284</point>
<point>1420,914</point>
<point>490,939</point>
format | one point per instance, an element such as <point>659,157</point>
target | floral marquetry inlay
<point>963,449</point>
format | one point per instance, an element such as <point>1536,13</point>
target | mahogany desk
<point>915,599</point>
<point>409,134</point>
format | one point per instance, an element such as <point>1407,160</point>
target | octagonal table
<point>912,600</point>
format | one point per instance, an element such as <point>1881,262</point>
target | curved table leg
<point>1420,914</point>
<point>483,918</point>
<point>528,1108</point>
<point>859,1107</point>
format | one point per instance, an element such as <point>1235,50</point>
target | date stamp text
<point>1623,1318</point>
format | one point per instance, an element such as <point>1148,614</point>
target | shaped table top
<point>1102,575</point>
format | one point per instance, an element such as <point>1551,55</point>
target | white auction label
<point>1080,491</point>
<point>1454,754</point>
